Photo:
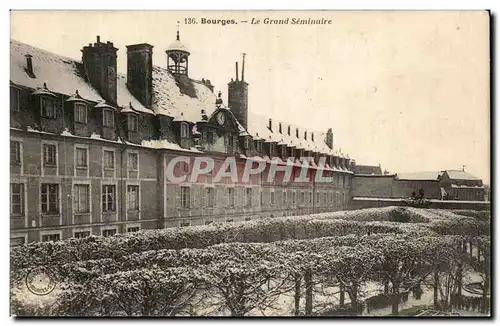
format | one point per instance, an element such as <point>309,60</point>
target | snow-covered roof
<point>60,74</point>
<point>425,175</point>
<point>169,100</point>
<point>460,175</point>
<point>258,127</point>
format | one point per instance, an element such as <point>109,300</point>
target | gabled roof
<point>460,175</point>
<point>424,175</point>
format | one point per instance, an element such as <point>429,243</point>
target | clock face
<point>221,118</point>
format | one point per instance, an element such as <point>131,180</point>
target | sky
<point>407,90</point>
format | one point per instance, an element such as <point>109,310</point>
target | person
<point>413,195</point>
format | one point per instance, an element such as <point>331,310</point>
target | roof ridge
<point>44,50</point>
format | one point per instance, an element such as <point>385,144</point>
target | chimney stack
<point>140,72</point>
<point>29,66</point>
<point>237,96</point>
<point>329,138</point>
<point>99,64</point>
<point>243,68</point>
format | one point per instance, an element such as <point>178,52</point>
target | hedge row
<point>264,230</point>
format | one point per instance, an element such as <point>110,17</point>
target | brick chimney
<point>140,72</point>
<point>99,67</point>
<point>329,138</point>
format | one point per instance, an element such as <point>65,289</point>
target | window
<point>49,154</point>
<point>14,99</point>
<point>132,122</point>
<point>230,140</point>
<point>16,199</point>
<point>108,118</point>
<point>81,199</point>
<point>294,197</point>
<point>51,237</point>
<point>80,113</point>
<point>210,196</point>
<point>133,159</point>
<point>249,197</point>
<point>17,241</point>
<point>184,166</point>
<point>184,130</point>
<point>81,157</point>
<point>50,198</point>
<point>317,198</point>
<point>15,152</point>
<point>133,229</point>
<point>82,234</point>
<point>310,197</point>
<point>248,219</point>
<point>302,198</point>
<point>108,198</point>
<point>247,143</point>
<point>297,132</point>
<point>279,127</point>
<point>133,198</point>
<point>272,198</point>
<point>185,197</point>
<point>284,197</point>
<point>48,107</point>
<point>261,198</point>
<point>230,196</point>
<point>109,160</point>
<point>108,232</point>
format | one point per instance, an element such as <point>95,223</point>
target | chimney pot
<point>98,39</point>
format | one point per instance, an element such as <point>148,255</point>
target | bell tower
<point>237,94</point>
<point>177,57</point>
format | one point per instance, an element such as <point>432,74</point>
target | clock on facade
<point>221,118</point>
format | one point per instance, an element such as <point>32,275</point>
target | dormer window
<point>80,113</point>
<point>247,143</point>
<point>14,99</point>
<point>258,146</point>
<point>108,118</point>
<point>184,130</point>
<point>132,122</point>
<point>48,108</point>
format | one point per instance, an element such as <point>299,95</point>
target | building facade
<point>90,148</point>
<point>441,185</point>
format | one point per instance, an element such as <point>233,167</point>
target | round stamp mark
<point>40,281</point>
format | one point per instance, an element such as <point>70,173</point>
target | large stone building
<point>89,147</point>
